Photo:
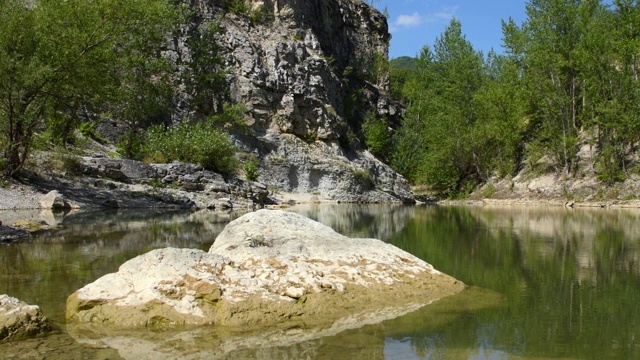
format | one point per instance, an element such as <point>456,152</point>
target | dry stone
<point>55,201</point>
<point>19,320</point>
<point>265,267</point>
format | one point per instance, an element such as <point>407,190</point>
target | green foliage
<point>570,75</point>
<point>310,137</point>
<point>238,7</point>
<point>363,177</point>
<point>348,138</point>
<point>231,117</point>
<point>400,71</point>
<point>379,71</point>
<point>397,82</point>
<point>88,130</point>
<point>259,15</point>
<point>60,58</point>
<point>376,134</point>
<point>403,62</point>
<point>408,153</point>
<point>62,160</point>
<point>609,165</point>
<point>195,142</point>
<point>444,117</point>
<point>202,77</point>
<point>545,47</point>
<point>250,168</point>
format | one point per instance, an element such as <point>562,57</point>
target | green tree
<point>441,108</point>
<point>57,58</point>
<point>609,66</point>
<point>500,104</point>
<point>545,46</point>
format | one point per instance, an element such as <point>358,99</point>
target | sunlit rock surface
<point>266,267</point>
<point>19,320</point>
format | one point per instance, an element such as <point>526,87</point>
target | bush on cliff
<point>196,142</point>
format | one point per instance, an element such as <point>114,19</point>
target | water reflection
<point>359,220</point>
<point>52,265</point>
<point>570,277</point>
<point>548,283</point>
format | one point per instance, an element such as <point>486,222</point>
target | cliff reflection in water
<point>547,283</point>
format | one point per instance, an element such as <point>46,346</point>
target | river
<point>544,283</point>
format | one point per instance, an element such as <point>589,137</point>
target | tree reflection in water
<point>546,282</point>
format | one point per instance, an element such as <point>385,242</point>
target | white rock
<point>261,255</point>
<point>20,320</point>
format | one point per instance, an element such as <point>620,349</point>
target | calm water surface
<point>546,283</point>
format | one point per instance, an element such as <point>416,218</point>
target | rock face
<point>266,267</point>
<point>20,320</point>
<point>306,71</point>
<point>191,185</point>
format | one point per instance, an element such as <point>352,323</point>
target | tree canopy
<point>60,59</point>
<point>568,77</point>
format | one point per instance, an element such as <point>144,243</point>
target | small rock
<point>19,320</point>
<point>55,201</point>
<point>294,292</point>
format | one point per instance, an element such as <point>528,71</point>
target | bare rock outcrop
<point>19,320</point>
<point>266,267</point>
<point>307,72</point>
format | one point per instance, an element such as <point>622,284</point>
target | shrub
<point>376,135</point>
<point>238,7</point>
<point>609,165</point>
<point>250,168</point>
<point>196,142</point>
<point>363,177</point>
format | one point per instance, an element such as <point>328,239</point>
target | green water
<point>545,283</point>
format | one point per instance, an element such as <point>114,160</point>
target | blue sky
<point>415,23</point>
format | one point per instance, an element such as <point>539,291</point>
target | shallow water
<point>546,283</point>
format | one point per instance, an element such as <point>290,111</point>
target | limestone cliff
<point>306,71</point>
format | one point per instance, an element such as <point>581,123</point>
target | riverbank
<point>94,183</point>
<point>626,204</point>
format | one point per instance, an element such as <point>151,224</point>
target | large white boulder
<point>266,267</point>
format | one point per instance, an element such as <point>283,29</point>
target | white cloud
<point>408,20</point>
<point>446,13</point>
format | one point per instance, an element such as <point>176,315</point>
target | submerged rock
<point>266,267</point>
<point>19,320</point>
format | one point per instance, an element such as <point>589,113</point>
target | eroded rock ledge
<point>266,267</point>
